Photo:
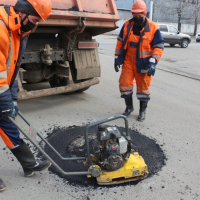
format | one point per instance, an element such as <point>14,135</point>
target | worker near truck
<point>16,22</point>
<point>139,48</point>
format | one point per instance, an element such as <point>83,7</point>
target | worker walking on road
<point>139,49</point>
<point>15,25</point>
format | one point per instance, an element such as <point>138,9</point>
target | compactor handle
<point>52,148</point>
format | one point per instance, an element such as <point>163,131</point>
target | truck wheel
<point>184,43</point>
<point>172,45</point>
<point>58,81</point>
<point>82,90</point>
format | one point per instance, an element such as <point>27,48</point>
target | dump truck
<point>62,50</point>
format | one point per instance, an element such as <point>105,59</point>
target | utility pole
<point>151,10</point>
<point>196,15</point>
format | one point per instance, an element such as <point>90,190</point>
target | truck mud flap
<point>87,63</point>
<point>24,94</point>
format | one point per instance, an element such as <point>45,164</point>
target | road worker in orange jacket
<point>15,25</point>
<point>139,49</point>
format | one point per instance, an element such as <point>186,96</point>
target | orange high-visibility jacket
<point>150,45</point>
<point>12,47</point>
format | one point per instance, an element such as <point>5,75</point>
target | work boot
<point>143,106</point>
<point>2,185</point>
<point>129,106</point>
<point>27,160</point>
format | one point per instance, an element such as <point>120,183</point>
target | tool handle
<point>43,152</point>
<point>22,116</point>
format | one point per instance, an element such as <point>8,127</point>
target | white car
<point>198,37</point>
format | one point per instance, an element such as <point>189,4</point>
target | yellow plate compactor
<point>112,160</point>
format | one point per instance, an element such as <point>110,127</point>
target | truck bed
<point>99,14</point>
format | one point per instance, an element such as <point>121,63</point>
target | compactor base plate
<point>134,169</point>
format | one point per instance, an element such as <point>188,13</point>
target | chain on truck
<point>62,51</point>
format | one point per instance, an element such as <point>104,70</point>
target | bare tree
<point>196,15</point>
<point>177,7</point>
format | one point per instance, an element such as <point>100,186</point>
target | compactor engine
<point>110,148</point>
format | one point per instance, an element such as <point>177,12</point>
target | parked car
<point>172,36</point>
<point>198,37</point>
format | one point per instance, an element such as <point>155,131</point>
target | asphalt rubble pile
<point>70,142</point>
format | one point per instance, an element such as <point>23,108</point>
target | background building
<point>164,12</point>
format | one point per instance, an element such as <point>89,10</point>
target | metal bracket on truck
<point>79,29</point>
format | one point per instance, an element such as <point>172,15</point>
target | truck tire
<point>172,45</point>
<point>184,43</point>
<point>59,81</point>
<point>34,72</point>
<point>82,90</point>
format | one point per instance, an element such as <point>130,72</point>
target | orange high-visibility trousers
<point>129,72</point>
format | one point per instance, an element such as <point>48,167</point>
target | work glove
<point>16,107</point>
<point>152,67</point>
<point>9,113</point>
<point>116,65</point>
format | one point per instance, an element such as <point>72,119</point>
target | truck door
<point>174,35</point>
<point>164,33</point>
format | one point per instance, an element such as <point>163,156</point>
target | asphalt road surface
<point>172,119</point>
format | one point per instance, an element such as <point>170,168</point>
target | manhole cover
<point>70,142</point>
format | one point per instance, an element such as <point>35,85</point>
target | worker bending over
<point>15,25</point>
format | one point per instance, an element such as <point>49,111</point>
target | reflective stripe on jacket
<point>11,51</point>
<point>151,44</point>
